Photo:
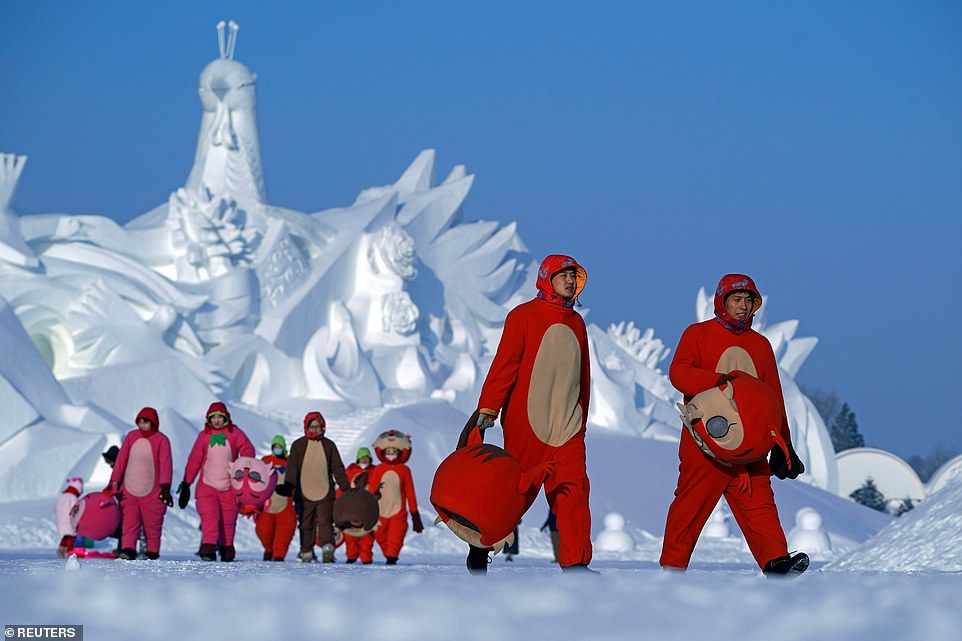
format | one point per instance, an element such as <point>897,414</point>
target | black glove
<point>165,496</point>
<point>779,465</point>
<point>416,524</point>
<point>725,378</point>
<point>184,491</point>
<point>284,489</point>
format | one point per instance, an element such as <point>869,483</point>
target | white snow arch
<point>893,477</point>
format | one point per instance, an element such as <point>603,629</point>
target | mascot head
<point>252,482</point>
<point>480,493</point>
<point>95,516</point>
<point>355,509</point>
<point>393,447</point>
<point>737,422</point>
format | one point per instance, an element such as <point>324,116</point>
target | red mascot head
<point>736,423</point>
<point>355,509</point>
<point>479,493</point>
<point>393,447</point>
<point>95,516</point>
<point>252,482</point>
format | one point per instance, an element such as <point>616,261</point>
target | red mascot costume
<point>725,356</point>
<point>392,480</point>
<point>479,491</point>
<point>275,526</point>
<point>540,378</point>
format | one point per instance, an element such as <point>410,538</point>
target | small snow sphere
<point>808,535</point>
<point>614,538</point>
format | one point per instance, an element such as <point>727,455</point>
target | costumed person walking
<point>276,525</point>
<point>217,445</point>
<point>393,480</point>
<point>62,508</point>
<point>142,475</point>
<point>360,547</point>
<point>707,355</point>
<point>313,466</point>
<point>540,378</point>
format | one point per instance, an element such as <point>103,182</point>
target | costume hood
<point>150,414</point>
<point>217,408</point>
<point>551,266</point>
<point>308,419</point>
<point>734,283</point>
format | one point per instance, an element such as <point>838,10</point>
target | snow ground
<point>430,596</point>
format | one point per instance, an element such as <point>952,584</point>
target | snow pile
<point>923,539</point>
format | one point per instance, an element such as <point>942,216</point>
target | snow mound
<point>925,539</point>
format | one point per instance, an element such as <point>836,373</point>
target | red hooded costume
<point>361,547</point>
<point>393,481</point>
<point>275,526</point>
<point>143,471</point>
<point>707,350</point>
<point>210,457</point>
<point>539,378</point>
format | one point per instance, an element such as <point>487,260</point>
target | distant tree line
<point>843,429</point>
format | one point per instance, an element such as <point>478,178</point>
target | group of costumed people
<point>307,488</point>
<point>735,436</point>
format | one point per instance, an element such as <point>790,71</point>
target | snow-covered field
<point>430,596</point>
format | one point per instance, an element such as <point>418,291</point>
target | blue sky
<point>816,146</point>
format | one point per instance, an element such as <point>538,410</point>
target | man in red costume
<point>276,525</point>
<point>393,481</point>
<point>706,354</point>
<point>540,379</point>
<point>360,547</point>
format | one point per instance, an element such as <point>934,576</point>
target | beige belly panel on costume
<point>553,409</point>
<point>139,475</point>
<point>315,477</point>
<point>390,488</point>
<point>736,358</point>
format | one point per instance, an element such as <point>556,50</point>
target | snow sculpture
<point>808,534</point>
<point>614,538</point>
<point>218,294</point>
<point>717,525</point>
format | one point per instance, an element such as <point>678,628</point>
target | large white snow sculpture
<point>218,295</point>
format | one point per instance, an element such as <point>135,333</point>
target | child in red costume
<point>218,444</point>
<point>394,482</point>
<point>706,354</point>
<point>142,474</point>
<point>275,526</point>
<point>540,378</point>
<point>360,547</point>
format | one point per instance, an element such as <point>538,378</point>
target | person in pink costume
<point>142,476</point>
<point>220,443</point>
<point>65,502</point>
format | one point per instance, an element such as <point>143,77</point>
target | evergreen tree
<point>869,496</point>
<point>844,430</point>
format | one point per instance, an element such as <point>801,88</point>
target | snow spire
<point>227,48</point>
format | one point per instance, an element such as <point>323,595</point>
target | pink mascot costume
<point>95,516</point>
<point>220,443</point>
<point>252,481</point>
<point>142,475</point>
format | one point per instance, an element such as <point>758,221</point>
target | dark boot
<point>152,556</point>
<point>127,554</point>
<point>267,556</point>
<point>789,565</point>
<point>580,568</point>
<point>279,559</point>
<point>477,560</point>
<point>350,560</point>
<point>226,553</point>
<point>390,560</point>
<point>207,552</point>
